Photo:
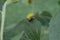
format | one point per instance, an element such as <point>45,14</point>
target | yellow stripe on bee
<point>30,15</point>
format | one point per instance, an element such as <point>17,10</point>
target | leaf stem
<point>3,19</point>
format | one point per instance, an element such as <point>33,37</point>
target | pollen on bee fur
<point>30,17</point>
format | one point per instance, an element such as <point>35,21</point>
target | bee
<point>30,17</point>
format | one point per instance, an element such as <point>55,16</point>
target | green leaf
<point>16,14</point>
<point>33,30</point>
<point>54,28</point>
<point>44,18</point>
<point>19,36</point>
<point>8,34</point>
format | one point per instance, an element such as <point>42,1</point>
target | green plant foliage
<point>1,3</point>
<point>44,17</point>
<point>55,27</point>
<point>16,22</point>
<point>21,27</point>
<point>33,30</point>
<point>21,10</point>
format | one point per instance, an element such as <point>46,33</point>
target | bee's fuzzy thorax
<point>30,16</point>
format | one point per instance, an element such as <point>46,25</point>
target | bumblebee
<point>30,17</point>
